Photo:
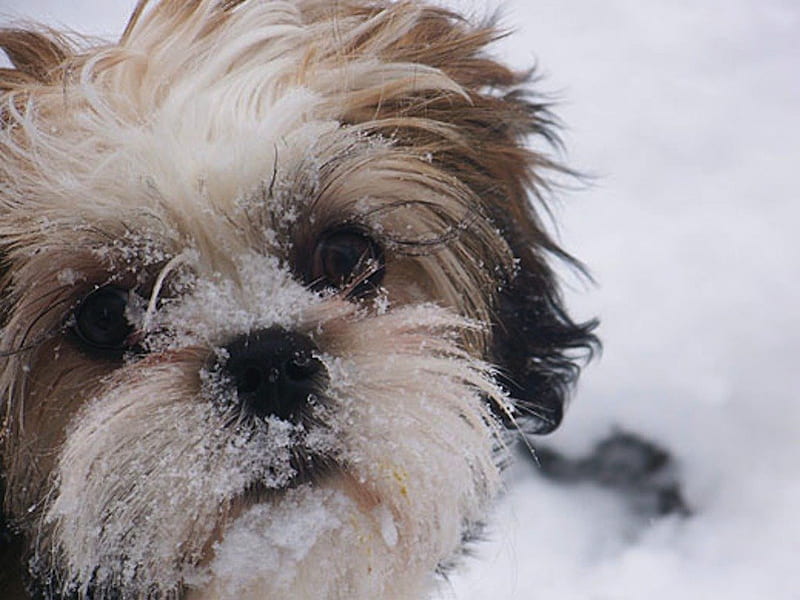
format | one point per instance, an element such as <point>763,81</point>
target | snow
<point>685,117</point>
<point>283,535</point>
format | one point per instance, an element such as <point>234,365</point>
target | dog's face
<point>271,292</point>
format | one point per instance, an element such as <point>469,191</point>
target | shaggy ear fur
<point>539,347</point>
<point>10,547</point>
<point>35,56</point>
<point>20,47</point>
<point>10,551</point>
<point>483,144</point>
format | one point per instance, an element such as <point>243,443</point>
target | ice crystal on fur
<point>261,294</point>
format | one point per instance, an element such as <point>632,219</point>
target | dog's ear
<point>31,56</point>
<point>35,57</point>
<point>38,58</point>
<point>537,346</point>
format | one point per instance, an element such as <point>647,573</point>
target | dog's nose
<point>275,372</point>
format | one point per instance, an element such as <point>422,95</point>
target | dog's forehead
<point>191,123</point>
<point>165,186</point>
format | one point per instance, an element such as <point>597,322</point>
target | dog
<point>276,297</point>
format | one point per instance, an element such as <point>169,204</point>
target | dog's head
<point>272,289</point>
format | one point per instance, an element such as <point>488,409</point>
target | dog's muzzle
<point>275,372</point>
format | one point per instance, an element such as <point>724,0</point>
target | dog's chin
<point>307,541</point>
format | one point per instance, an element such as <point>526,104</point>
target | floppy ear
<point>537,346</point>
<point>21,49</point>
<point>10,552</point>
<point>10,548</point>
<point>35,56</point>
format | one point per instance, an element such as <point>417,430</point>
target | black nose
<point>275,372</point>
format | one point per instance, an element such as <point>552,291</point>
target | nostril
<point>250,380</point>
<point>273,376</point>
<point>302,367</point>
<point>275,372</point>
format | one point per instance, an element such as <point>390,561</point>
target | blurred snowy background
<point>687,114</point>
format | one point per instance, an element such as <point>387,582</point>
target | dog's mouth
<point>307,468</point>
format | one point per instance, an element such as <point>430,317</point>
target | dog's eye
<point>349,260</point>
<point>101,321</point>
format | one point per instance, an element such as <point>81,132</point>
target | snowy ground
<point>687,115</point>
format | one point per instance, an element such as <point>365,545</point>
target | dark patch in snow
<point>637,469</point>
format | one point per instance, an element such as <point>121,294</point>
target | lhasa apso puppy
<point>273,289</point>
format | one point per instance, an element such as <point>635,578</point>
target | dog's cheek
<point>134,488</point>
<point>64,381</point>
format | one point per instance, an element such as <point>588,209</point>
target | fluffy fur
<point>196,165</point>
